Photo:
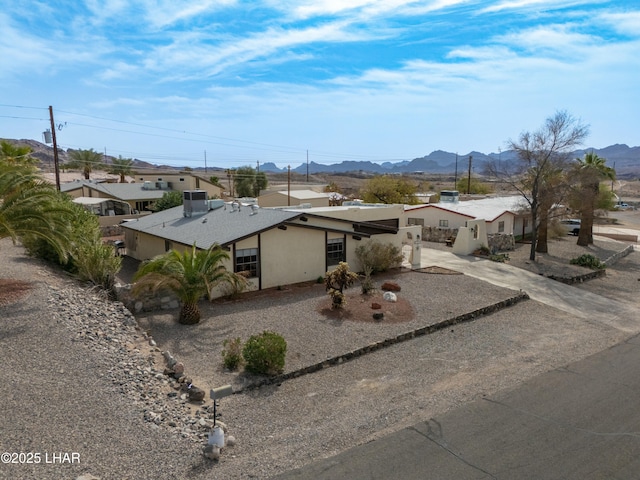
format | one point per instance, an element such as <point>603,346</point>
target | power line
<point>237,143</point>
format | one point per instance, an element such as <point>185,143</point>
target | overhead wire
<point>203,138</point>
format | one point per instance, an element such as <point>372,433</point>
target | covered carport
<point>104,206</point>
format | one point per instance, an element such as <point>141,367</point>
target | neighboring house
<point>503,215</point>
<point>284,198</point>
<point>276,246</point>
<point>180,182</point>
<point>104,206</point>
<point>139,196</point>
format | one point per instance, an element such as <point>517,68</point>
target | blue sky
<point>268,80</point>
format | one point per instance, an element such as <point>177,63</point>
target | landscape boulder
<point>389,297</point>
<point>390,287</point>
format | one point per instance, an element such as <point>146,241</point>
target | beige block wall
<point>277,199</point>
<point>188,183</point>
<point>291,256</point>
<point>363,214</point>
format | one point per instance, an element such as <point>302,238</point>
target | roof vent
<point>254,209</point>
<point>216,203</point>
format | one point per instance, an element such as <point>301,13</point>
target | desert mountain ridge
<point>625,160</point>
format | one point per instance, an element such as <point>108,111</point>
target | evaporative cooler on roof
<point>195,203</point>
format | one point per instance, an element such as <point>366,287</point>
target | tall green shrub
<point>265,353</point>
<point>88,257</point>
<point>378,256</point>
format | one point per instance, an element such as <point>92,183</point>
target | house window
<point>167,245</point>
<point>247,261</point>
<point>335,251</point>
<point>416,221</point>
<point>159,179</point>
<point>501,227</point>
<point>444,223</point>
<point>182,179</point>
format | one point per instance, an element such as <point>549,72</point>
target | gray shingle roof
<point>128,191</point>
<point>222,226</point>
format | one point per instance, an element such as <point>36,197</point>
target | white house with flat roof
<point>503,215</point>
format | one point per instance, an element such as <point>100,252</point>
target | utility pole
<point>307,166</point>
<point>614,172</point>
<point>288,185</point>
<point>455,177</point>
<point>205,161</point>
<point>469,178</point>
<point>55,148</point>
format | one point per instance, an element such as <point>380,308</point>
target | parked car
<point>621,206</point>
<point>572,226</point>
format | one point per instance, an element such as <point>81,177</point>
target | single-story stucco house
<point>275,246</point>
<point>507,215</point>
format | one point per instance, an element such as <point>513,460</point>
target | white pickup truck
<point>572,226</point>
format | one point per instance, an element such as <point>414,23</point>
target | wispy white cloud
<point>192,54</point>
<point>504,5</point>
<point>627,23</point>
<point>154,13</point>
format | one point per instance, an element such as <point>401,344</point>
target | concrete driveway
<point>570,299</point>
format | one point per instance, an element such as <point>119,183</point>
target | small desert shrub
<point>380,257</point>
<point>96,263</point>
<point>499,257</point>
<point>589,261</point>
<point>367,283</point>
<point>232,353</point>
<point>482,251</point>
<point>265,353</point>
<point>319,279</point>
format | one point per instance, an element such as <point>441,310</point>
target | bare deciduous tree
<point>542,156</point>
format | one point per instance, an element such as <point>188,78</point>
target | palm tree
<point>591,171</point>
<point>85,160</point>
<point>121,166</point>
<point>15,154</point>
<point>190,275</point>
<point>29,206</point>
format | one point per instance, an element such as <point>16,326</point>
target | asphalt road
<point>578,422</point>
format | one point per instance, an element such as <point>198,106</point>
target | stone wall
<point>498,242</point>
<point>501,242</point>
<point>437,234</point>
<point>146,302</point>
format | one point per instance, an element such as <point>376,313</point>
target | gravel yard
<point>72,389</point>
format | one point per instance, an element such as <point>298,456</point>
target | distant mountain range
<point>625,160</point>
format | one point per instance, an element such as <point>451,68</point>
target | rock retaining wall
<point>337,360</point>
